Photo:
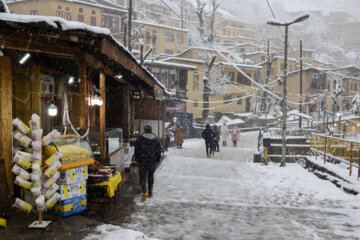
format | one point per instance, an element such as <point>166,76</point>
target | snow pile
<point>111,232</point>
<point>228,121</point>
<point>297,113</point>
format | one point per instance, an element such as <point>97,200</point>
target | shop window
<point>33,12</point>
<point>169,36</point>
<point>241,79</point>
<point>169,51</point>
<point>67,16</point>
<point>227,99</point>
<point>195,104</point>
<point>196,83</point>
<point>153,37</point>
<point>147,37</point>
<point>81,10</point>
<point>59,7</point>
<point>93,12</point>
<point>355,87</point>
<point>59,14</point>
<point>80,18</point>
<point>179,38</point>
<point>67,9</point>
<point>93,21</point>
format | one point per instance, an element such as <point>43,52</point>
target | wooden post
<point>266,156</point>
<point>82,95</point>
<point>102,114</point>
<point>40,217</point>
<point>6,119</point>
<point>35,88</point>
<point>159,120</point>
<point>127,115</point>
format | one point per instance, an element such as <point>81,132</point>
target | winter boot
<point>144,197</point>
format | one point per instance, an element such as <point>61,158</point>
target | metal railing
<point>338,149</point>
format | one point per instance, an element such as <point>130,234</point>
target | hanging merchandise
<point>24,160</point>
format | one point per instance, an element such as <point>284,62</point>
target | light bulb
<point>100,101</point>
<point>24,58</point>
<point>52,110</point>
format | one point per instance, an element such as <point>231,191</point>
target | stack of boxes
<point>72,188</point>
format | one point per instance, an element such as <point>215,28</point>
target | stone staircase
<point>297,147</point>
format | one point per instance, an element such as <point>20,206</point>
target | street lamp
<point>284,103</point>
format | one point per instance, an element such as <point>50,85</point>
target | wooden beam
<point>102,114</point>
<point>82,95</point>
<point>6,119</point>
<point>51,71</point>
<point>35,88</point>
<point>115,54</point>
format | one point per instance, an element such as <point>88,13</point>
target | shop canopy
<point>54,36</point>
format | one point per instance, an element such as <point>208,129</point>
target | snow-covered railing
<point>338,149</point>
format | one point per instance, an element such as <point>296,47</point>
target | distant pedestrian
<point>179,136</point>
<point>208,136</point>
<point>235,135</point>
<point>167,139</point>
<point>224,132</point>
<point>216,139</point>
<point>147,155</point>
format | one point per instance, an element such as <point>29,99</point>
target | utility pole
<point>301,84</point>
<point>125,33</point>
<point>129,27</point>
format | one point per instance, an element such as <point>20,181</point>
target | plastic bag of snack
<point>22,205</point>
<point>37,157</point>
<point>18,171</point>
<point>20,125</point>
<point>40,203</point>
<point>21,138</point>
<point>22,183</point>
<point>23,159</point>
<point>50,137</point>
<point>52,180</point>
<point>35,179</point>
<point>51,190</point>
<point>36,168</point>
<point>35,121</point>
<point>36,192</point>
<point>36,134</point>
<point>56,156</point>
<point>37,146</point>
<point>52,201</point>
<point>53,168</point>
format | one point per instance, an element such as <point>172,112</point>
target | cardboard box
<point>68,191</point>
<point>70,206</point>
<point>73,175</point>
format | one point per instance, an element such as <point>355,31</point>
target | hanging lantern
<point>52,110</point>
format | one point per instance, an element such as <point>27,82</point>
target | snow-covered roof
<point>297,113</point>
<point>160,25</point>
<point>170,64</point>
<point>228,121</point>
<point>244,44</point>
<point>239,65</point>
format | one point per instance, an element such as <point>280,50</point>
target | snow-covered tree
<point>355,103</point>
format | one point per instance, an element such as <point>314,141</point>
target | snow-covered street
<point>230,197</point>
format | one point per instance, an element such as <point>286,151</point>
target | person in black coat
<point>208,136</point>
<point>147,155</point>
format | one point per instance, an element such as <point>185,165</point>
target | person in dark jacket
<point>147,155</point>
<point>208,135</point>
<point>216,139</point>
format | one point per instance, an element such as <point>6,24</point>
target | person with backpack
<point>147,154</point>
<point>208,136</point>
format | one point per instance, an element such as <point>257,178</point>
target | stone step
<point>289,140</point>
<point>291,149</point>
<point>289,158</point>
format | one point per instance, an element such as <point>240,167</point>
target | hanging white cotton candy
<point>21,138</point>
<point>18,171</point>
<point>36,192</point>
<point>35,179</point>
<point>53,168</point>
<point>36,168</point>
<point>22,183</point>
<point>52,180</point>
<point>22,205</point>
<point>53,200</point>
<point>37,146</point>
<point>50,137</point>
<point>36,134</point>
<point>56,156</point>
<point>51,190</point>
<point>40,203</point>
<point>37,157</point>
<point>20,125</point>
<point>35,121</point>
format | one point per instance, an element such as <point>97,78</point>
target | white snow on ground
<point>230,197</point>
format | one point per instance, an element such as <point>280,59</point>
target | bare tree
<point>201,14</point>
<point>209,63</point>
<point>212,33</point>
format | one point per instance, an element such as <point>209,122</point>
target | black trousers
<point>208,147</point>
<point>234,143</point>
<point>147,173</point>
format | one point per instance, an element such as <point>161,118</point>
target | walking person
<point>147,155</point>
<point>179,136</point>
<point>235,135</point>
<point>167,139</point>
<point>224,132</point>
<point>208,136</point>
<point>216,139</point>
